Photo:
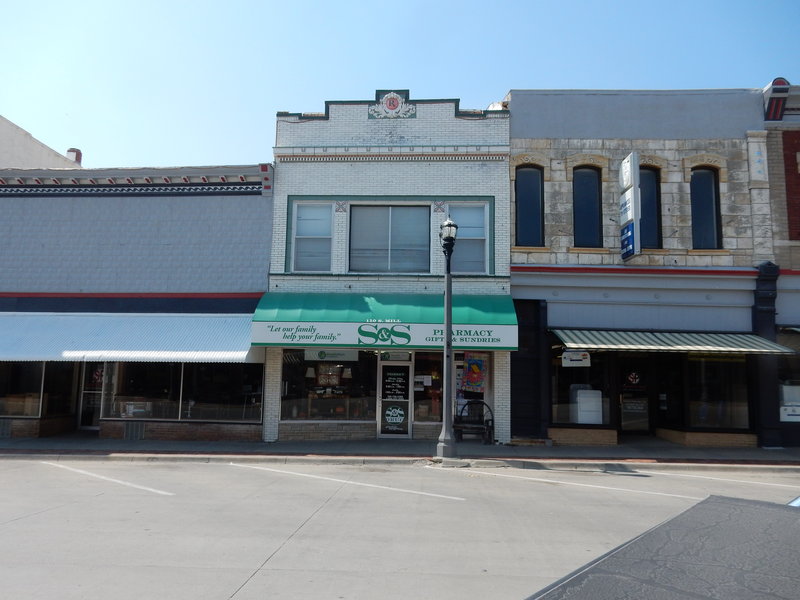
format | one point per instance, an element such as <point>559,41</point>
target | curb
<point>540,464</point>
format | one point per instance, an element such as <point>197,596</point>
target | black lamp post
<point>446,448</point>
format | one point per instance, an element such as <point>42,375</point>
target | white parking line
<point>786,485</point>
<point>588,485</point>
<point>369,485</point>
<point>119,481</point>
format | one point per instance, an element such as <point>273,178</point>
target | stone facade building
<point>668,340</point>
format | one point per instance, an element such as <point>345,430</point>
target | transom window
<point>390,239</point>
<point>312,239</point>
<point>469,254</point>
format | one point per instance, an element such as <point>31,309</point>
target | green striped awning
<point>399,320</point>
<point>662,341</point>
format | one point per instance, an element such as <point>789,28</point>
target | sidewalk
<point>645,449</point>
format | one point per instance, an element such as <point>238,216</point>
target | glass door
<point>634,398</point>
<point>394,399</point>
<point>91,394</point>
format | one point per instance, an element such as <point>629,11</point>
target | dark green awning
<point>407,320</point>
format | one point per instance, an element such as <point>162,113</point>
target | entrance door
<point>394,399</point>
<point>91,395</point>
<point>634,399</point>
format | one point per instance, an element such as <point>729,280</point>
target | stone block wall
<point>745,208</point>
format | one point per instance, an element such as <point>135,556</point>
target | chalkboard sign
<point>396,382</point>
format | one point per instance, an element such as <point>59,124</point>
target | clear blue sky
<point>180,82</point>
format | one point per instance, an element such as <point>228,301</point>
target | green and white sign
<point>383,321</point>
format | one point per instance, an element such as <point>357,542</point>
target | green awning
<point>660,341</point>
<point>396,320</point>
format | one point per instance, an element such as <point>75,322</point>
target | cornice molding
<point>132,190</point>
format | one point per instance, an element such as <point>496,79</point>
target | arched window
<point>587,208</point>
<point>706,220</point>
<point>529,195</point>
<point>650,220</point>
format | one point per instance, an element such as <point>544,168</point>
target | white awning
<point>662,341</point>
<point>124,337</point>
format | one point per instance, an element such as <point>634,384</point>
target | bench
<point>474,418</point>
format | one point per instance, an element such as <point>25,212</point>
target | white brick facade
<point>439,156</point>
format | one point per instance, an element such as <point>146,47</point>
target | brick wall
<point>326,431</point>
<point>791,162</point>
<point>709,439</point>
<point>565,436</point>
<point>135,244</point>
<point>186,431</point>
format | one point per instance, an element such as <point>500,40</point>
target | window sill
<point>530,249</point>
<point>708,251</point>
<point>591,250</point>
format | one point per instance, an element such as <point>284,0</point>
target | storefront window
<point>60,390</point>
<point>472,372</point>
<point>144,390</point>
<point>222,392</point>
<point>580,394</point>
<point>329,384</point>
<point>718,392</point>
<point>789,377</point>
<point>20,388</point>
<point>428,386</point>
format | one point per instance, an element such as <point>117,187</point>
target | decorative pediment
<point>393,106</point>
<point>530,159</point>
<point>587,160</point>
<point>651,160</point>
<point>706,159</point>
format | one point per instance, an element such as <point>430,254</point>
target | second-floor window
<point>706,220</point>
<point>529,195</point>
<point>469,254</point>
<point>587,209</point>
<point>650,220</point>
<point>390,239</point>
<point>312,239</point>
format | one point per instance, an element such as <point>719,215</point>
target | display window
<point>20,388</point>
<point>332,384</point>
<point>717,392</point>
<point>581,390</point>
<point>191,391</point>
<point>60,388</point>
<point>342,384</point>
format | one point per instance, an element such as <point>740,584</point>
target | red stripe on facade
<point>120,295</point>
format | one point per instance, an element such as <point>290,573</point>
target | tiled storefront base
<point>16,428</point>
<point>427,431</point>
<point>567,436</point>
<point>310,430</point>
<point>709,439</point>
<point>162,430</point>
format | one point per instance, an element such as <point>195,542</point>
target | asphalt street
<point>243,529</point>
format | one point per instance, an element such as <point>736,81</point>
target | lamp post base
<point>446,449</point>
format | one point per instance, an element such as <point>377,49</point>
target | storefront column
<point>273,371</point>
<point>502,397</point>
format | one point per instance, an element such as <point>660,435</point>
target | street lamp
<point>446,448</point>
